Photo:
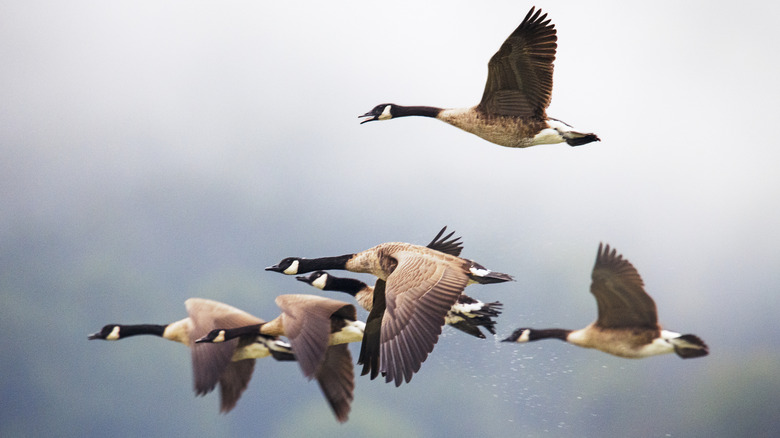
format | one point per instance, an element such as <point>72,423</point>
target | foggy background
<point>152,151</point>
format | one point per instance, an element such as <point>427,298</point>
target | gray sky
<point>111,108</point>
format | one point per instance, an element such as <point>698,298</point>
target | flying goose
<point>318,329</point>
<point>416,289</point>
<point>627,323</point>
<point>518,90</point>
<point>467,315</point>
<point>230,364</point>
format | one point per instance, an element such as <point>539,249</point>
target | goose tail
<point>689,346</point>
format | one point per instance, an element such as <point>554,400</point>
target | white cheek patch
<point>220,337</point>
<point>292,269</point>
<point>525,336</point>
<point>114,335</point>
<point>320,282</point>
<point>385,114</point>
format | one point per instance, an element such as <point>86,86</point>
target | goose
<point>467,315</point>
<point>319,329</point>
<point>517,93</point>
<point>416,288</point>
<point>627,323</point>
<point>230,365</point>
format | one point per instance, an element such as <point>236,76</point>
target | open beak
<point>368,114</point>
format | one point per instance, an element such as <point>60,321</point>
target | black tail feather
<point>585,139</point>
<point>695,348</point>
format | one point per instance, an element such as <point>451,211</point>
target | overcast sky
<point>108,104</point>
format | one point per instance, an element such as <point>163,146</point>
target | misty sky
<point>189,143</point>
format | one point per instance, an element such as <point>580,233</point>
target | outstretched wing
<point>336,377</point>
<point>307,325</point>
<point>520,74</point>
<point>620,294</point>
<point>211,363</point>
<point>419,293</point>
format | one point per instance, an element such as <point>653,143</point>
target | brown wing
<point>620,293</point>
<point>336,377</point>
<point>307,325</point>
<point>233,382</point>
<point>420,292</point>
<point>520,74</point>
<point>210,361</point>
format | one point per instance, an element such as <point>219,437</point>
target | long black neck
<point>248,330</point>
<point>141,329</point>
<point>349,285</point>
<point>425,111</point>
<point>554,333</point>
<point>323,263</point>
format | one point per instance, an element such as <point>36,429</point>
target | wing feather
<point>620,294</point>
<point>520,74</point>
<point>307,324</point>
<point>419,293</point>
<point>211,363</point>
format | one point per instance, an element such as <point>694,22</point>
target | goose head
<point>318,279</point>
<point>109,332</point>
<point>289,266</point>
<point>520,335</point>
<point>380,112</point>
<point>215,336</point>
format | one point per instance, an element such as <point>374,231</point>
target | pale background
<point>151,151</point>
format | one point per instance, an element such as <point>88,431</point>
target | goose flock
<point>419,289</point>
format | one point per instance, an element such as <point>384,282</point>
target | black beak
<point>368,114</point>
<point>274,268</point>
<point>94,336</point>
<point>509,339</point>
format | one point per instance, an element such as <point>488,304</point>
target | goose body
<point>319,329</point>
<point>627,323</point>
<point>518,90</point>
<point>230,365</point>
<point>416,288</point>
<point>467,315</point>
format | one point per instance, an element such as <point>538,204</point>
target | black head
<point>519,335</point>
<point>287,266</point>
<point>380,112</point>
<point>318,279</point>
<point>214,336</point>
<point>109,332</point>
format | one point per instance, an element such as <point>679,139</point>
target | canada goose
<point>318,329</point>
<point>627,324</point>
<point>230,364</point>
<point>518,90</point>
<point>417,286</point>
<point>467,315</point>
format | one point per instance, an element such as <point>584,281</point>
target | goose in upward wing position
<point>318,329</point>
<point>416,289</point>
<point>517,93</point>
<point>230,365</point>
<point>627,323</point>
